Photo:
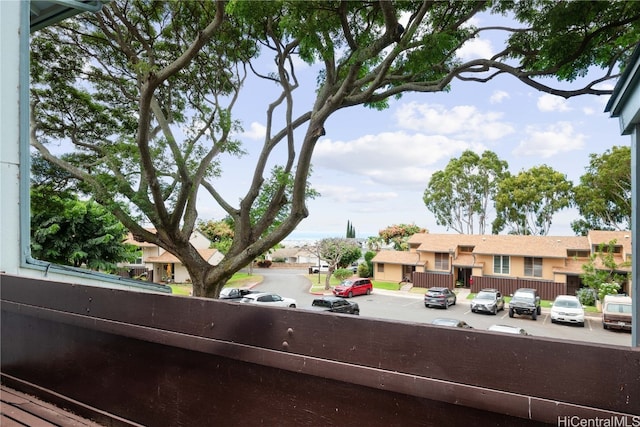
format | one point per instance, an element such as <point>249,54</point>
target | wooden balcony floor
<point>19,409</point>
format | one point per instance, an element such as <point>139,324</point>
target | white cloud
<point>463,121</point>
<point>395,159</point>
<point>552,103</point>
<point>474,49</point>
<point>256,131</point>
<point>498,96</point>
<point>554,139</point>
<point>588,111</point>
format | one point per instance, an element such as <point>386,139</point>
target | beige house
<point>166,267</point>
<point>549,263</point>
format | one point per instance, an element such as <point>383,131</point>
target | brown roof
<point>464,260</point>
<point>547,246</point>
<point>596,237</point>
<point>168,258</point>
<point>397,257</point>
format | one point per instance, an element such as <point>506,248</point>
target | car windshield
<point>523,295</point>
<point>346,283</point>
<point>567,303</point>
<point>485,295</point>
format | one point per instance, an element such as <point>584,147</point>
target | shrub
<point>363,270</point>
<point>342,273</point>
<point>587,296</point>
<point>264,263</point>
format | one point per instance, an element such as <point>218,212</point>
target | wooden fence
<point>430,280</point>
<point>547,290</point>
<point>124,358</point>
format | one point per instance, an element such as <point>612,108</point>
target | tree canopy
<point>526,202</point>
<point>143,95</point>
<point>603,196</point>
<point>461,195</point>
<point>69,231</point>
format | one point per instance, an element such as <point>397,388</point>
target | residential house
<point>166,267</point>
<point>293,255</point>
<point>552,264</point>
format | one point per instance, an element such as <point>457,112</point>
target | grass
<point>239,280</point>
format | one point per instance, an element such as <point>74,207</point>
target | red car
<point>351,287</point>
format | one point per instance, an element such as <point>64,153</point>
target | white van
<point>616,312</point>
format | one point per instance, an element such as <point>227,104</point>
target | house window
<point>500,264</point>
<point>442,261</point>
<point>575,253</point>
<point>533,267</point>
<point>380,268</point>
<point>465,249</point>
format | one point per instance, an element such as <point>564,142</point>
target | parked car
<point>268,298</point>
<point>567,309</point>
<point>451,322</point>
<point>508,329</point>
<point>351,287</point>
<point>525,301</point>
<point>488,301</point>
<point>335,305</point>
<point>616,312</point>
<point>439,297</point>
<point>234,293</point>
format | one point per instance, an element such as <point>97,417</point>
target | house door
<point>407,272</point>
<point>463,275</point>
<point>573,284</point>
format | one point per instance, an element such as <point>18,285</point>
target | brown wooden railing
<point>122,357</point>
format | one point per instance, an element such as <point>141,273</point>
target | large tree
<point>144,93</point>
<point>460,196</point>
<point>338,253</point>
<point>603,196</point>
<point>81,233</point>
<point>526,202</point>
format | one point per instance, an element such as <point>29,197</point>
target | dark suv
<point>525,301</point>
<point>335,305</point>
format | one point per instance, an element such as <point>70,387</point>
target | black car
<point>439,297</point>
<point>488,301</point>
<point>525,301</point>
<point>335,305</point>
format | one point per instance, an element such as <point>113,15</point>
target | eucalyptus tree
<point>144,92</point>
<point>461,195</point>
<point>527,202</point>
<point>603,196</point>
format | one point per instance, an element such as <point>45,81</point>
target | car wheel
<point>368,291</point>
<point>356,312</point>
<point>534,316</point>
<point>454,301</point>
<point>553,320</point>
<point>350,295</point>
<point>510,312</point>
<point>426,305</point>
<point>539,310</point>
<point>581,324</point>
<point>446,304</point>
<point>605,326</point>
<point>495,310</point>
<point>292,305</point>
<point>473,310</point>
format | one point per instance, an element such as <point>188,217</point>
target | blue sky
<point>372,167</point>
